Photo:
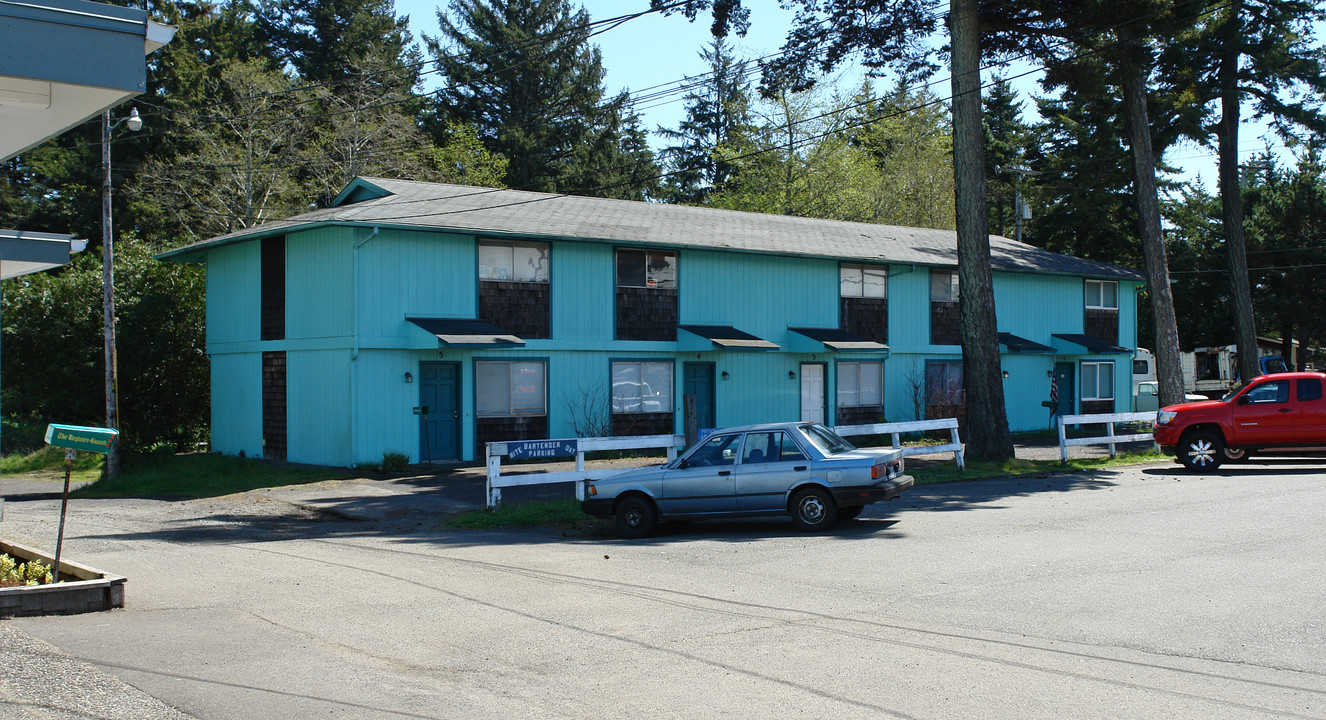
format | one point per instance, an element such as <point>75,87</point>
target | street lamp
<point>134,123</point>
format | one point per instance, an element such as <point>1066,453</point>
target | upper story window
<point>943,286</point>
<point>647,269</point>
<point>513,261</point>
<point>863,281</point>
<point>646,295</point>
<point>1102,295</point>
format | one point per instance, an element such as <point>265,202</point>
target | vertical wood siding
<point>233,293</point>
<point>318,392</point>
<point>237,403</point>
<point>319,293</point>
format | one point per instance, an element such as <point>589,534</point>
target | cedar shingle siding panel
<point>517,308</point>
<point>1097,407</point>
<point>1102,325</point>
<point>500,429</point>
<point>273,406</point>
<point>862,415</point>
<point>646,314</point>
<point>945,324</point>
<point>624,424</point>
<point>272,289</point>
<point>867,318</point>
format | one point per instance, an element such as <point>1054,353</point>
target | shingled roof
<point>493,213</point>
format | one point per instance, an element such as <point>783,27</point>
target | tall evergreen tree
<point>1264,52</point>
<point>1007,141</point>
<point>718,112</point>
<point>525,75</point>
<point>324,40</point>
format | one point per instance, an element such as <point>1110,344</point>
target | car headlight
<point>1164,417</point>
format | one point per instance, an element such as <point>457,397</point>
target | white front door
<point>812,393</point>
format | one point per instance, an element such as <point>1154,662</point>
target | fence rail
<point>1109,438</point>
<point>896,429</point>
<point>497,450</point>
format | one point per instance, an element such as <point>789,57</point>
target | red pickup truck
<point>1273,412</point>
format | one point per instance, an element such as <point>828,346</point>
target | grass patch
<point>49,458</point>
<point>562,513</point>
<point>977,469</point>
<point>197,476</point>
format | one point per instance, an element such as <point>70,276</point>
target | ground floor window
<point>860,393</point>
<point>944,394</point>
<point>1097,387</point>
<point>642,397</point>
<point>505,389</point>
<point>642,387</point>
<point>1097,381</point>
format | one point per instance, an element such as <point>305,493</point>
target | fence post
<point>1109,433</point>
<point>1063,449</point>
<point>494,463</point>
<point>897,443</point>
<point>580,468</point>
<point>957,454</point>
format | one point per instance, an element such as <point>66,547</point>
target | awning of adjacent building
<point>1022,345</point>
<point>814,340</point>
<point>465,332</point>
<point>1095,345</point>
<point>22,252</point>
<point>699,338</point>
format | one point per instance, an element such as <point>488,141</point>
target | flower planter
<point>84,589</point>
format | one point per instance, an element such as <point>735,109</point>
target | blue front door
<point>699,381</point>
<point>439,423</point>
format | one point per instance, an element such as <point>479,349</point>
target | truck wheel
<point>1201,451</point>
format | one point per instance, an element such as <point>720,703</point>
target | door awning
<point>814,340</point>
<point>1095,345</point>
<point>699,338</point>
<point>466,332</point>
<point>1022,345</point>
<point>22,252</point>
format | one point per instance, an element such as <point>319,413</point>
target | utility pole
<point>134,123</point>
<point>1021,210</point>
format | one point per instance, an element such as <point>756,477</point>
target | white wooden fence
<point>1109,438</point>
<point>497,450</point>
<point>896,429</point>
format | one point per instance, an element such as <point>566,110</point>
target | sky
<point>649,54</point>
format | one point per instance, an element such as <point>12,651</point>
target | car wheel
<point>849,513</point>
<point>1237,454</point>
<point>636,517</point>
<point>1201,451</point>
<point>813,509</point>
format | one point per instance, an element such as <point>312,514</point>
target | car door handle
<point>800,468</point>
<point>1284,410</point>
<point>724,472</point>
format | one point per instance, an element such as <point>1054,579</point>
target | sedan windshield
<point>828,441</point>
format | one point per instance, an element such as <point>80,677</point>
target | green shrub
<point>395,462</point>
<point>14,573</point>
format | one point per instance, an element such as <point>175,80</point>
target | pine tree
<point>718,113</point>
<point>325,40</point>
<point>525,75</point>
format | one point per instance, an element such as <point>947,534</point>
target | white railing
<point>1109,438</point>
<point>896,429</point>
<point>497,450</point>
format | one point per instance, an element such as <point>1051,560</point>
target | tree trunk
<point>1231,197</point>
<point>1169,372</point>
<point>987,419</point>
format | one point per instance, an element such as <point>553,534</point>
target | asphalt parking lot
<point>1137,592</point>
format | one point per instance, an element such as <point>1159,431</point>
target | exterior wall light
<point>726,376</point>
<point>791,374</point>
<point>409,378</point>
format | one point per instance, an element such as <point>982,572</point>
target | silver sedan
<point>804,470</point>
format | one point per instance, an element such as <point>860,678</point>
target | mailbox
<point>87,439</point>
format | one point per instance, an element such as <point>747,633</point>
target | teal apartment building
<point>429,319</point>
